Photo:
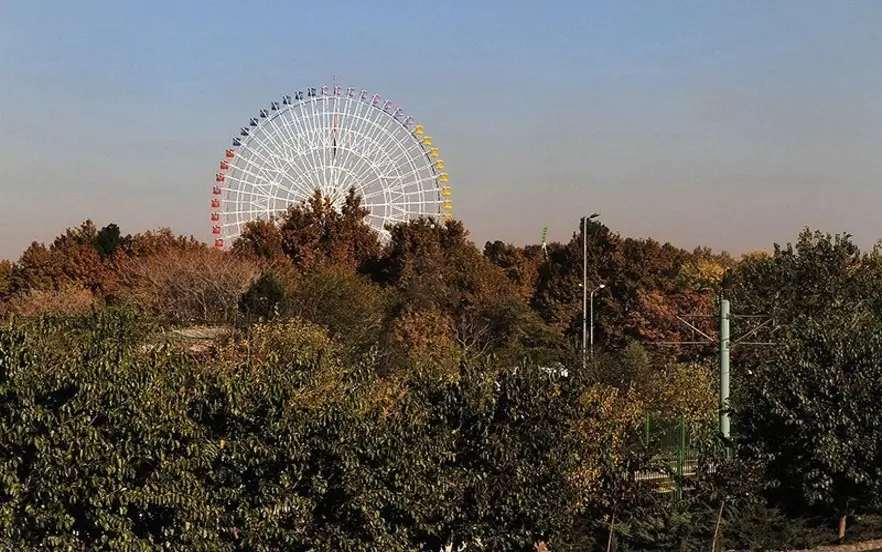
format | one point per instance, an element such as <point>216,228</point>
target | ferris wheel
<point>329,139</point>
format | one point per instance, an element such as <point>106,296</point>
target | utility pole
<point>724,368</point>
<point>591,315</point>
<point>585,285</point>
<point>724,342</point>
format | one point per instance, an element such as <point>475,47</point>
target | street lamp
<point>593,291</point>
<point>585,283</point>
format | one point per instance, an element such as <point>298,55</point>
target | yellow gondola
<point>439,164</point>
<point>442,177</point>
<point>448,217</point>
<point>445,191</point>
<point>433,152</point>
<point>418,130</point>
<point>448,204</point>
<point>427,141</point>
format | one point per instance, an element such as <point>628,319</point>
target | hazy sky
<point>731,124</point>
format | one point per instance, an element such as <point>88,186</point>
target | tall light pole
<point>585,284</point>
<point>593,291</point>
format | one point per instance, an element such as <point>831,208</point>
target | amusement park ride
<point>329,139</point>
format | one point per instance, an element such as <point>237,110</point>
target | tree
<point>70,259</point>
<point>6,271</point>
<point>434,268</point>
<point>108,240</point>
<point>320,232</point>
<point>807,406</point>
<point>265,298</point>
<point>521,265</point>
<point>809,411</point>
<point>349,306</point>
<point>188,284</point>
<point>70,299</point>
<point>261,239</point>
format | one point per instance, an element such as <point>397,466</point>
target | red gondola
<point>219,177</point>
<point>230,154</point>
<point>215,203</point>
<point>215,217</point>
<point>217,190</point>
<point>216,229</point>
<point>218,243</point>
<point>224,165</point>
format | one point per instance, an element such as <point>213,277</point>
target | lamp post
<point>593,291</point>
<point>585,284</point>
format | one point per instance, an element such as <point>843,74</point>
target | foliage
<point>809,411</point>
<point>351,307</point>
<point>69,300</point>
<point>192,284</point>
<point>108,240</point>
<point>807,407</point>
<point>261,239</point>
<point>321,232</point>
<point>6,269</point>
<point>265,298</point>
<point>128,446</point>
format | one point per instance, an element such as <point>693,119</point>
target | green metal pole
<point>681,455</point>
<point>724,368</point>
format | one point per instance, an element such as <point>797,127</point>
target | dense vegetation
<point>424,394</point>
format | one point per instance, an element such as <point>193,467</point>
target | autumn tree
<point>319,231</point>
<point>70,299</point>
<point>558,297</point>
<point>6,269</point>
<point>72,258</point>
<point>261,239</point>
<point>521,264</point>
<point>188,284</point>
<point>158,242</point>
<point>435,268</point>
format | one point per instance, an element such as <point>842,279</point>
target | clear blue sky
<point>731,123</point>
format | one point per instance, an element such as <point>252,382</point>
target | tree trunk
<point>609,542</point>
<point>842,527</point>
<point>717,527</point>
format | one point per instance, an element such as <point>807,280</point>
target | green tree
<point>265,298</point>
<point>108,240</point>
<point>352,308</point>
<point>805,406</point>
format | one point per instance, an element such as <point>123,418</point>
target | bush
<point>115,441</point>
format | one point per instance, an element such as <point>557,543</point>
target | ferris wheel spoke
<point>297,163</point>
<point>244,186</point>
<point>268,164</point>
<point>376,148</point>
<point>272,158</point>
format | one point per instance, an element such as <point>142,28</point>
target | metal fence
<point>672,448</point>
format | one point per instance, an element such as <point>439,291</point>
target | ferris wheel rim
<point>278,138</point>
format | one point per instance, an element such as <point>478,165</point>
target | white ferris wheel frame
<point>329,140</point>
